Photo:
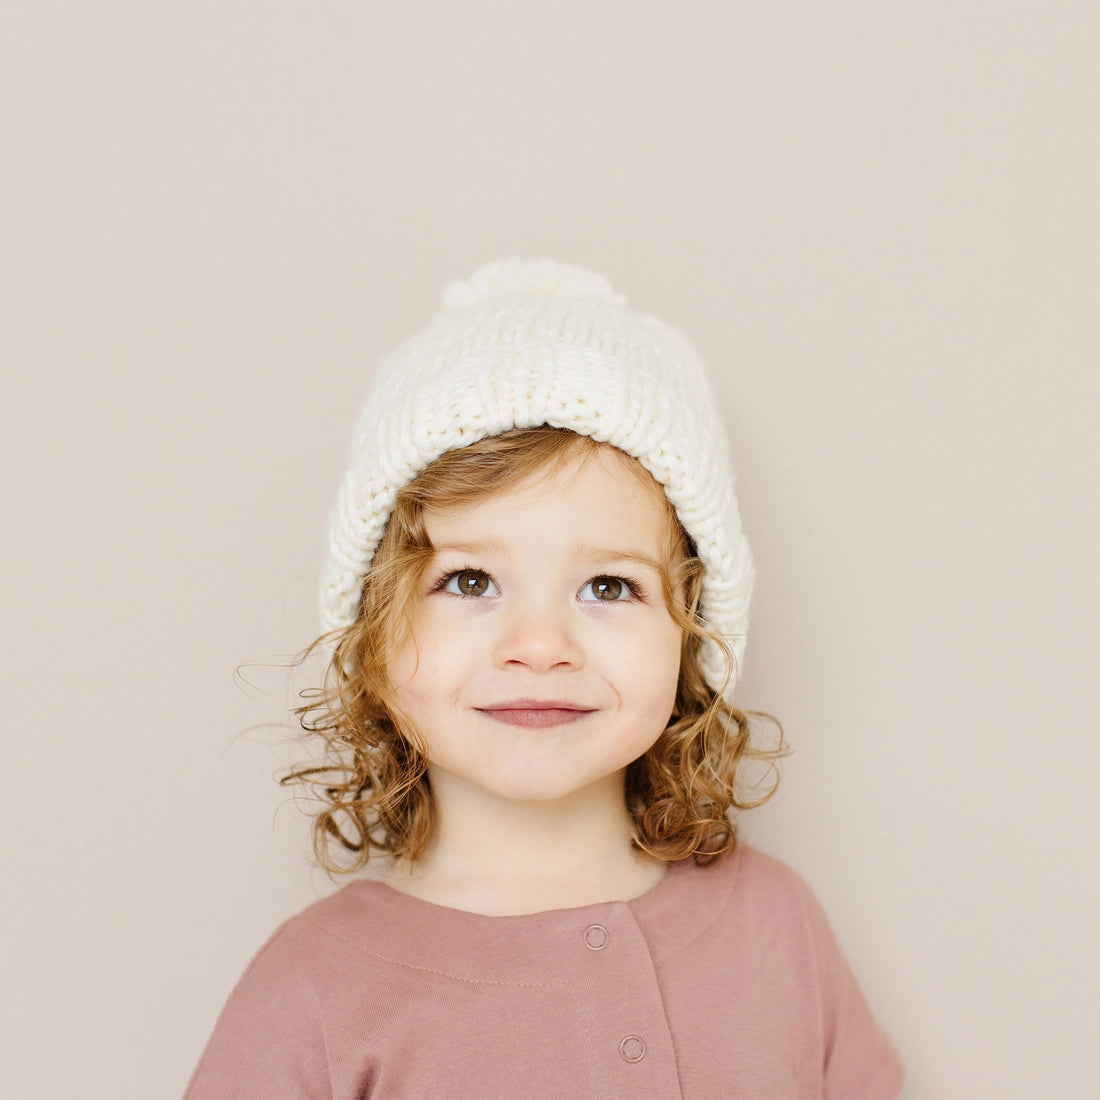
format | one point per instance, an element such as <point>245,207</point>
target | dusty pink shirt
<point>721,981</point>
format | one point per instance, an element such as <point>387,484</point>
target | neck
<point>506,857</point>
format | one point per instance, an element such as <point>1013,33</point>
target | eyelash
<point>636,590</point>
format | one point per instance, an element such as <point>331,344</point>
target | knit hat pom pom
<point>529,278</point>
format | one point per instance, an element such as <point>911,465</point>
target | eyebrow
<point>587,550</point>
<point>616,554</point>
<point>478,546</point>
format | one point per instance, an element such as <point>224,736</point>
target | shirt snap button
<point>596,937</point>
<point>632,1048</point>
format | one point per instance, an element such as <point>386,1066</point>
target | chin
<point>530,791</point>
<point>543,788</point>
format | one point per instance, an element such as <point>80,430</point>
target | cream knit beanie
<point>521,344</point>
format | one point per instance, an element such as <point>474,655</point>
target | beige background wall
<point>876,220</point>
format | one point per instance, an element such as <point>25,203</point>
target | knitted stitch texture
<point>526,343</point>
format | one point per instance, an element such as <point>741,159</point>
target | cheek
<point>651,665</point>
<point>430,661</point>
<point>403,668</point>
<point>419,696</point>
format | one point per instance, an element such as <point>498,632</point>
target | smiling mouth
<point>535,715</point>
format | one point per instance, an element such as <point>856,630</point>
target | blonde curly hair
<point>373,779</point>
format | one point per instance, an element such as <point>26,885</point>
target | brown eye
<point>607,589</point>
<point>470,582</point>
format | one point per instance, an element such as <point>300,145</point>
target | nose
<point>539,639</point>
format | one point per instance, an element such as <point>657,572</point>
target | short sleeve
<point>861,1063</point>
<point>269,1039</point>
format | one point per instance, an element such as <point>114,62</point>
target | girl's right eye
<point>468,582</point>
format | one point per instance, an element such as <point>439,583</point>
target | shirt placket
<point>630,1043</point>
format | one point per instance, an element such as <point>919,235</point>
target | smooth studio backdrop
<point>877,221</point>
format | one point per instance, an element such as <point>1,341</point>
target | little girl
<point>536,596</point>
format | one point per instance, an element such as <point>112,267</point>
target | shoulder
<point>749,906</point>
<point>747,881</point>
<point>322,935</point>
<point>287,978</point>
<point>859,1058</point>
<point>764,882</point>
<point>327,916</point>
<point>745,897</point>
<point>756,869</point>
<point>302,945</point>
<point>769,900</point>
<point>271,1038</point>
<point>767,936</point>
<point>753,867</point>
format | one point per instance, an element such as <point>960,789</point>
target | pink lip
<point>535,713</point>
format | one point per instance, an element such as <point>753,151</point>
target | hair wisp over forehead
<point>495,464</point>
<point>374,782</point>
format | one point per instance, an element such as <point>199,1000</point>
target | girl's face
<point>544,658</point>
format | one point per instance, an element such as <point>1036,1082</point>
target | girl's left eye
<point>607,590</point>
